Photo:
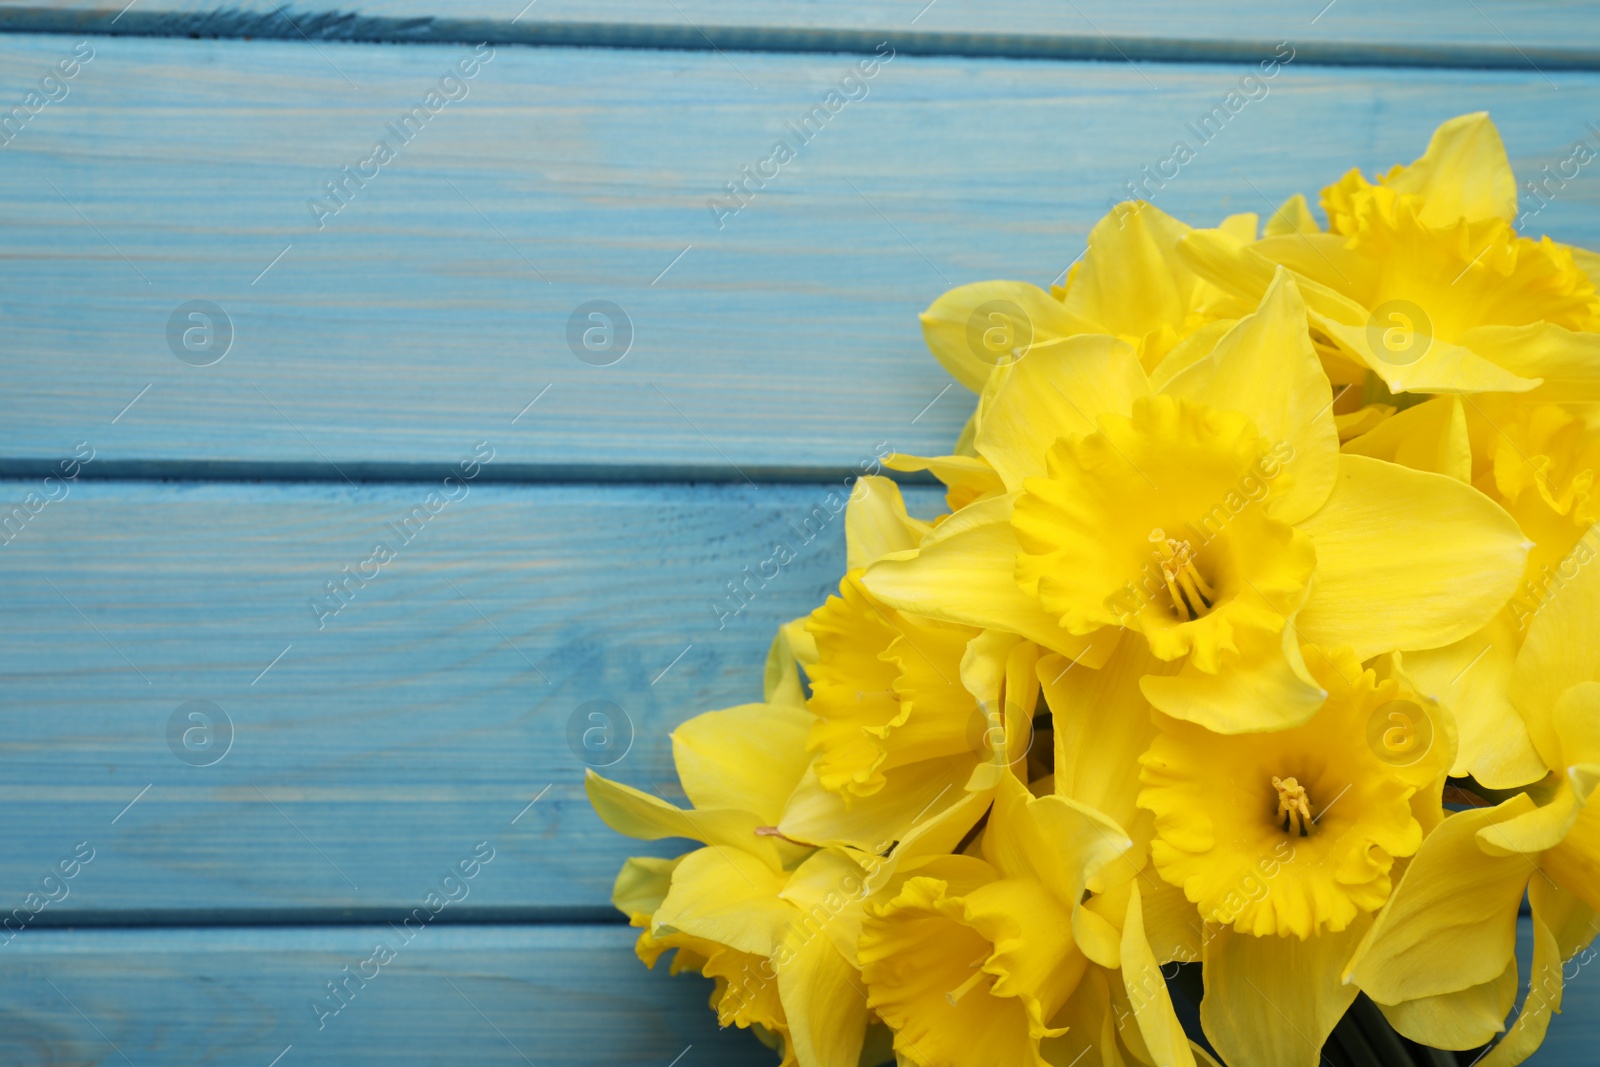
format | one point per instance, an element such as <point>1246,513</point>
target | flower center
<point>1192,596</point>
<point>1294,807</point>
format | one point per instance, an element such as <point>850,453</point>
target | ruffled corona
<point>1146,524</point>
<point>1314,804</point>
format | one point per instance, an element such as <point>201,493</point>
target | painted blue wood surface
<point>547,995</point>
<point>1522,36</point>
<point>425,316</point>
<point>418,320</point>
<point>424,715</point>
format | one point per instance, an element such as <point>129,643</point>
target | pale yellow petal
<point>1545,985</point>
<point>965,572</point>
<point>780,682</point>
<point>1466,1019</point>
<point>1273,1001</point>
<point>1561,649</point>
<point>1451,923</point>
<point>1414,361</point>
<point>641,885</point>
<point>638,814</point>
<point>1567,361</point>
<point>967,479</point>
<point>876,523</point>
<point>1103,724</point>
<point>1147,992</point>
<point>750,757</point>
<point>1464,174</point>
<point>1266,368</point>
<point>1472,677</point>
<point>1429,437</point>
<point>1127,283</point>
<point>1262,686</point>
<point>974,328</point>
<point>727,896</point>
<point>825,1002</point>
<point>1293,216</point>
<point>1061,389</point>
<point>912,795</point>
<point>1407,560</point>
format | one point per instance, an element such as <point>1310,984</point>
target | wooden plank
<point>419,318</point>
<point>426,715</point>
<point>554,996</point>
<point>1522,36</point>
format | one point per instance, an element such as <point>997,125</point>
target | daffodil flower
<point>969,960</point>
<point>1423,279</point>
<point>1214,515</point>
<point>910,713</point>
<point>1440,958</point>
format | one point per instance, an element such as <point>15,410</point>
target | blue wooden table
<point>259,350</point>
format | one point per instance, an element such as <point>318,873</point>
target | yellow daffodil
<point>1128,284</point>
<point>909,712</point>
<point>1215,516</point>
<point>969,959</point>
<point>1284,841</point>
<point>1423,285</point>
<point>1440,956</point>
<point>1423,280</point>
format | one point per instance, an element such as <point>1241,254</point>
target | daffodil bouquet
<point>1256,657</point>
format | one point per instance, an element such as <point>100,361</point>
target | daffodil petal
<point>1147,992</point>
<point>1103,724</point>
<point>1262,686</point>
<point>913,793</point>
<point>1273,1001</point>
<point>1266,368</point>
<point>750,757</point>
<point>969,340</point>
<point>1061,389</point>
<point>825,1004</point>
<point>727,896</point>
<point>1561,649</point>
<point>1464,174</point>
<point>1568,361</point>
<point>642,885</point>
<point>1451,923</point>
<point>1293,216</point>
<point>1442,367</point>
<point>1465,1019</point>
<point>1429,437</point>
<point>638,814</point>
<point>965,572</point>
<point>1407,560</point>
<point>1545,982</point>
<point>876,523</point>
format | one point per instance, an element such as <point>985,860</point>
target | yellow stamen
<point>955,995</point>
<point>1294,806</point>
<point>1192,596</point>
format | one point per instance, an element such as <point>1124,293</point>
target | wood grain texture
<point>421,719</point>
<point>433,308</point>
<point>1554,34</point>
<point>552,996</point>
